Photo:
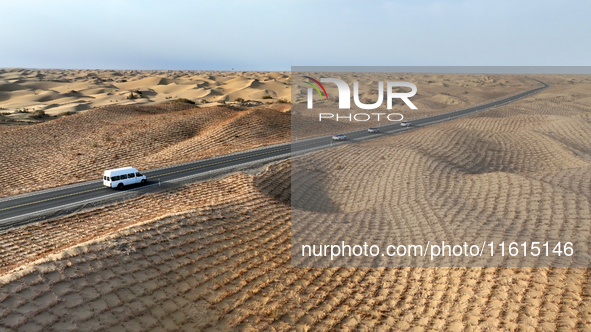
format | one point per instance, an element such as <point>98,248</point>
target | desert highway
<point>22,209</point>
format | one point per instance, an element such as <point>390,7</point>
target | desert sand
<point>216,255</point>
<point>58,92</point>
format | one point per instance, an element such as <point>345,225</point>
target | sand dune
<point>59,91</point>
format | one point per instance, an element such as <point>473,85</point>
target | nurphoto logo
<point>345,93</point>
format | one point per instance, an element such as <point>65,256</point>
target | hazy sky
<point>275,35</point>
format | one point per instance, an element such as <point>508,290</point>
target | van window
<point>107,178</point>
<point>123,176</point>
<point>104,177</point>
<point>131,175</point>
<point>138,174</point>
<point>115,178</point>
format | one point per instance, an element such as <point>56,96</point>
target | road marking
<point>223,162</point>
<point>50,199</point>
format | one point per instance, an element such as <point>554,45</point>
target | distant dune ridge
<point>58,91</point>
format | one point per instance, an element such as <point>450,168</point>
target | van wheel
<point>143,181</point>
<point>120,186</point>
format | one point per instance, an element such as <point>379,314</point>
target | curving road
<point>22,209</point>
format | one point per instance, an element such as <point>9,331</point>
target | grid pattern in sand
<point>514,173</point>
<point>225,265</point>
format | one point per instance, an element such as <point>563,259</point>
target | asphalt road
<point>22,209</point>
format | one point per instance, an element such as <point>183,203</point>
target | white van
<point>119,177</point>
